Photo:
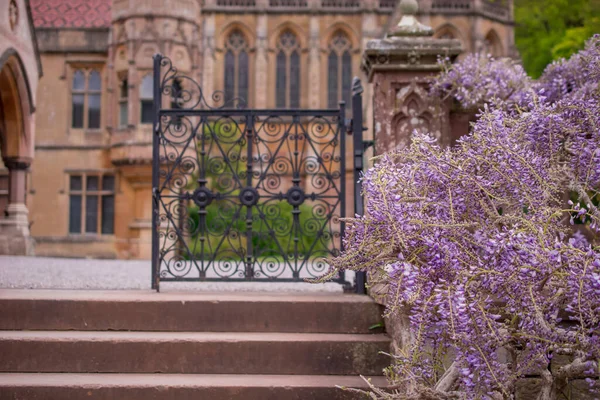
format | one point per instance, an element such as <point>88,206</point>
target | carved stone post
<point>400,67</point>
<point>15,237</point>
<point>314,63</point>
<point>262,62</point>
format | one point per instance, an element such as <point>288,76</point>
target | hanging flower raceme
<point>474,243</point>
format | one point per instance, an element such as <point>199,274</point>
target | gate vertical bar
<point>357,133</point>
<point>155,170</point>
<point>249,171</point>
<point>342,138</point>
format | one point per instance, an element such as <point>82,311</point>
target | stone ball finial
<point>408,25</point>
<point>409,7</point>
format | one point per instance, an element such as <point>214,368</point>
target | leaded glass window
<point>146,89</point>
<point>288,71</point>
<point>124,103</point>
<point>86,97</point>
<point>339,70</point>
<point>236,67</point>
<point>92,203</point>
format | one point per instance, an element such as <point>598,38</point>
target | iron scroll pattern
<point>243,194</point>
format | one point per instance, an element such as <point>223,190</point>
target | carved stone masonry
<point>400,67</point>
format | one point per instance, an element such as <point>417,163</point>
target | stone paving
<point>70,273</point>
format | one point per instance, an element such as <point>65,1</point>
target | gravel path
<point>68,273</point>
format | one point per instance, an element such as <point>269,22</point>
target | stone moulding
<point>407,53</point>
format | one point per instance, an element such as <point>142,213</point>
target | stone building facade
<point>89,189</point>
<point>20,71</point>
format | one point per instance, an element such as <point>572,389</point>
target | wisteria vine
<point>490,248</point>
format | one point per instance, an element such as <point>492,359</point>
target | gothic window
<point>91,203</point>
<point>86,94</point>
<point>236,67</point>
<point>146,89</point>
<point>492,44</point>
<point>339,70</point>
<point>124,103</point>
<point>287,71</point>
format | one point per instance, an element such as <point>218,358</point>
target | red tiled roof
<point>71,13</point>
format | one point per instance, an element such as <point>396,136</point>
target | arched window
<point>86,93</point>
<point>339,67</point>
<point>123,103</point>
<point>236,67</point>
<point>493,44</point>
<point>288,71</point>
<point>146,89</point>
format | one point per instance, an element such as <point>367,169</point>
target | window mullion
<point>288,83</point>
<point>340,77</point>
<point>83,202</point>
<point>99,206</point>
<point>236,69</point>
<point>85,100</point>
<point>99,212</point>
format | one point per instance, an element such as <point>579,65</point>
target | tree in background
<point>547,30</point>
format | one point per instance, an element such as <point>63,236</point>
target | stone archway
<point>16,147</point>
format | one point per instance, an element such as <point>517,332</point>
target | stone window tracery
<point>387,3</point>
<point>146,89</point>
<point>86,95</point>
<point>288,3</point>
<point>340,3</point>
<point>339,70</point>
<point>236,67</point>
<point>288,71</point>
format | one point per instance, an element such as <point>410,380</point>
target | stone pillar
<point>15,238</point>
<point>208,57</point>
<point>314,64</point>
<point>261,63</point>
<point>400,67</point>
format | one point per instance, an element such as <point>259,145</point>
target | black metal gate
<point>245,194</point>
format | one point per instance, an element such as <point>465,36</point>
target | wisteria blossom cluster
<point>480,79</point>
<point>476,244</point>
<point>565,77</point>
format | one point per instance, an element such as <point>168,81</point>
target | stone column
<point>400,67</point>
<point>15,238</point>
<point>261,63</point>
<point>314,64</point>
<point>208,57</point>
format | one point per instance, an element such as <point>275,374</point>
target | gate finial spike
<point>357,87</point>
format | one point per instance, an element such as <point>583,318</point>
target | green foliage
<point>223,215</point>
<point>547,30</point>
<point>263,242</point>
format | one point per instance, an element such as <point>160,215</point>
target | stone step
<point>206,312</point>
<point>193,352</point>
<point>178,387</point>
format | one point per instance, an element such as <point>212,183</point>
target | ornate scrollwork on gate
<point>244,194</point>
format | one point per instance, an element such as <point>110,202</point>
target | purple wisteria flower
<point>474,243</point>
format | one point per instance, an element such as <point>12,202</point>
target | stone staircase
<point>167,346</point>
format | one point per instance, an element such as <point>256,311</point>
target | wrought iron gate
<point>246,194</point>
